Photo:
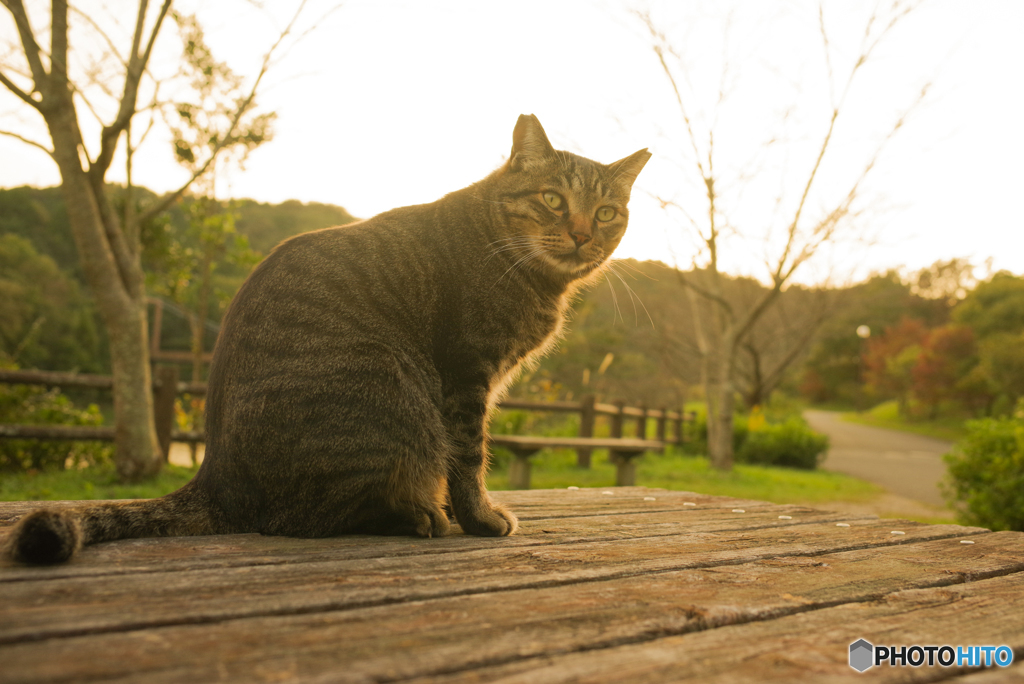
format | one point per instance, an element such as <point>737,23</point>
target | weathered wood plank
<point>42,609</point>
<point>528,505</point>
<point>804,647</point>
<point>540,527</point>
<point>187,553</point>
<point>1014,674</point>
<point>516,632</point>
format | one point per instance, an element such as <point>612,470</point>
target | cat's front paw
<point>496,521</point>
<point>432,523</point>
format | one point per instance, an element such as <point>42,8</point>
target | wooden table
<point>617,585</point>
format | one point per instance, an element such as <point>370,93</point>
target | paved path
<point>905,464</point>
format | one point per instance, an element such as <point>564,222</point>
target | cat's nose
<point>579,230</point>
<point>580,238</point>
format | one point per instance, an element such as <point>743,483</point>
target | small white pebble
<point>609,493</point>
<point>966,541</point>
<point>573,488</point>
<point>897,532</point>
<point>842,524</point>
<point>738,510</point>
<point>785,517</point>
<point>649,498</point>
<point>687,503</point>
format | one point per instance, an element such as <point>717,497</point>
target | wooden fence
<point>669,425</point>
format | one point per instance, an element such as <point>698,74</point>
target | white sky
<point>395,103</point>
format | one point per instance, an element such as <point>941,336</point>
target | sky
<point>387,103</point>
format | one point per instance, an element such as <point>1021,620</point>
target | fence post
<point>617,419</point>
<point>661,425</point>
<point>163,406</point>
<point>519,468</point>
<point>587,417</point>
<point>641,423</point>
<point>679,426</point>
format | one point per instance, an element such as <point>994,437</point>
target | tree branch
<point>22,95</point>
<point>706,294</point>
<point>133,75</point>
<point>33,143</point>
<point>164,203</point>
<point>28,43</point>
<point>59,46</point>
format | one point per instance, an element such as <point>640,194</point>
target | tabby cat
<point>355,369</point>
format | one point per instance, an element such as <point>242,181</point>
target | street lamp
<point>863,332</point>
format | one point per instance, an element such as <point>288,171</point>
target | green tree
<point>48,83</point>
<point>947,356</point>
<point>890,358</point>
<point>48,322</point>
<point>994,306</point>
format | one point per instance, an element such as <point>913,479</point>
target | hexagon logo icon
<point>861,655</point>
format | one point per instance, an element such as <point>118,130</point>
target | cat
<point>356,367</point>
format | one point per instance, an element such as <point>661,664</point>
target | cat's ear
<point>626,170</point>
<point>530,145</point>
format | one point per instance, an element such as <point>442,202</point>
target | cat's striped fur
<point>356,367</point>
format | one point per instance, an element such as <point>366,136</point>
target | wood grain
<point>597,587</point>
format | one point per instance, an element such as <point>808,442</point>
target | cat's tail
<point>50,536</point>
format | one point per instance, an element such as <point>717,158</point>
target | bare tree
<point>108,241</point>
<point>722,327</point>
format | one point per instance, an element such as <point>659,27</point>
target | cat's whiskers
<point>615,302</point>
<point>625,263</point>
<point>519,264</point>
<point>511,243</point>
<point>632,295</point>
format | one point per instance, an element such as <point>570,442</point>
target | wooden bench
<point>616,584</point>
<point>622,452</point>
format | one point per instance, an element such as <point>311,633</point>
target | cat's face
<point>567,214</point>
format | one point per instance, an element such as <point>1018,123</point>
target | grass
<point>89,483</point>
<point>557,469</point>
<point>886,415</point>
<point>553,469</point>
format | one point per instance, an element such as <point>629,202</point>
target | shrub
<point>696,433</point>
<point>791,444</point>
<point>986,474</point>
<point>32,405</point>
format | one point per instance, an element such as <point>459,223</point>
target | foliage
<point>69,337</point>
<point>834,371</point>
<point>48,322</point>
<point>994,306</point>
<point>891,356</point>
<point>947,356</point>
<point>790,444</point>
<point>218,118</point>
<point>986,473</point>
<point>33,405</point>
<point>697,433</point>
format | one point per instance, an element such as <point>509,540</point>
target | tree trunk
<point>721,401</point>
<point>137,449</point>
<point>117,285</point>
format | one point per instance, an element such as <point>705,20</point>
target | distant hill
<point>630,337</point>
<point>268,224</point>
<point>38,215</point>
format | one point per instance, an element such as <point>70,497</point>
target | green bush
<point>986,474</point>
<point>32,405</point>
<point>790,444</point>
<point>696,434</point>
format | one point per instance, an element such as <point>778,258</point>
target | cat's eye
<point>605,214</point>
<point>553,200</point>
